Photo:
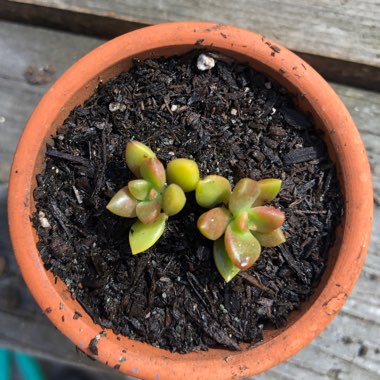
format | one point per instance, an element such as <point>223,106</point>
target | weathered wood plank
<point>331,356</point>
<point>340,39</point>
<point>327,28</point>
<point>20,47</point>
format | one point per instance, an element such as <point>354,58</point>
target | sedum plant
<point>244,225</point>
<point>240,225</point>
<point>146,197</point>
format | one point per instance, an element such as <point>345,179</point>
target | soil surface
<point>233,121</point>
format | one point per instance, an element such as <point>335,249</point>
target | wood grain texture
<point>21,47</point>
<point>345,29</point>
<point>307,28</point>
<point>348,349</point>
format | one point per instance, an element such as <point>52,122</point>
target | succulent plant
<point>239,226</point>
<point>240,229</point>
<point>145,197</point>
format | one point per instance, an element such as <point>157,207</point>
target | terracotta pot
<point>312,95</point>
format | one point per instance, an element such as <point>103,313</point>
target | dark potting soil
<point>233,121</point>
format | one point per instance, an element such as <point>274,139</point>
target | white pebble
<point>113,107</point>
<point>205,62</point>
<point>234,112</point>
<point>43,220</point>
<point>173,108</point>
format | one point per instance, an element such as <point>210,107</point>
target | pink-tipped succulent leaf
<point>244,195</point>
<point>123,204</point>
<point>135,153</point>
<point>153,171</point>
<point>214,222</point>
<point>265,218</point>
<point>148,211</point>
<point>242,247</point>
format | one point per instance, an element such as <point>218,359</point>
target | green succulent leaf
<point>265,218</point>
<point>123,204</point>
<point>214,222</point>
<point>143,236</point>
<point>153,171</point>
<point>148,211</point>
<point>244,195</point>
<point>270,239</point>
<point>223,263</point>
<point>135,153</point>
<point>242,247</point>
<point>139,188</point>
<point>173,200</point>
<point>184,173</point>
<point>269,189</point>
<point>212,191</point>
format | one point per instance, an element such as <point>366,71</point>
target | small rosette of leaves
<point>244,225</point>
<point>146,197</point>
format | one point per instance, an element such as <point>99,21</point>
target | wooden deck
<point>350,347</point>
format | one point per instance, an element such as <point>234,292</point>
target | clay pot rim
<point>292,72</point>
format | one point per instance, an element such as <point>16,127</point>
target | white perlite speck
<point>43,220</point>
<point>205,62</point>
<point>77,195</point>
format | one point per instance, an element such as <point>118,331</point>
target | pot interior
<point>301,102</point>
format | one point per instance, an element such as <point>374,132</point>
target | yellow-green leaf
<point>270,239</point>
<point>223,263</point>
<point>213,223</point>
<point>242,247</point>
<point>173,200</point>
<point>139,188</point>
<point>184,173</point>
<point>123,204</point>
<point>243,195</point>
<point>143,236</point>
<point>212,191</point>
<point>269,188</point>
<point>135,153</point>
